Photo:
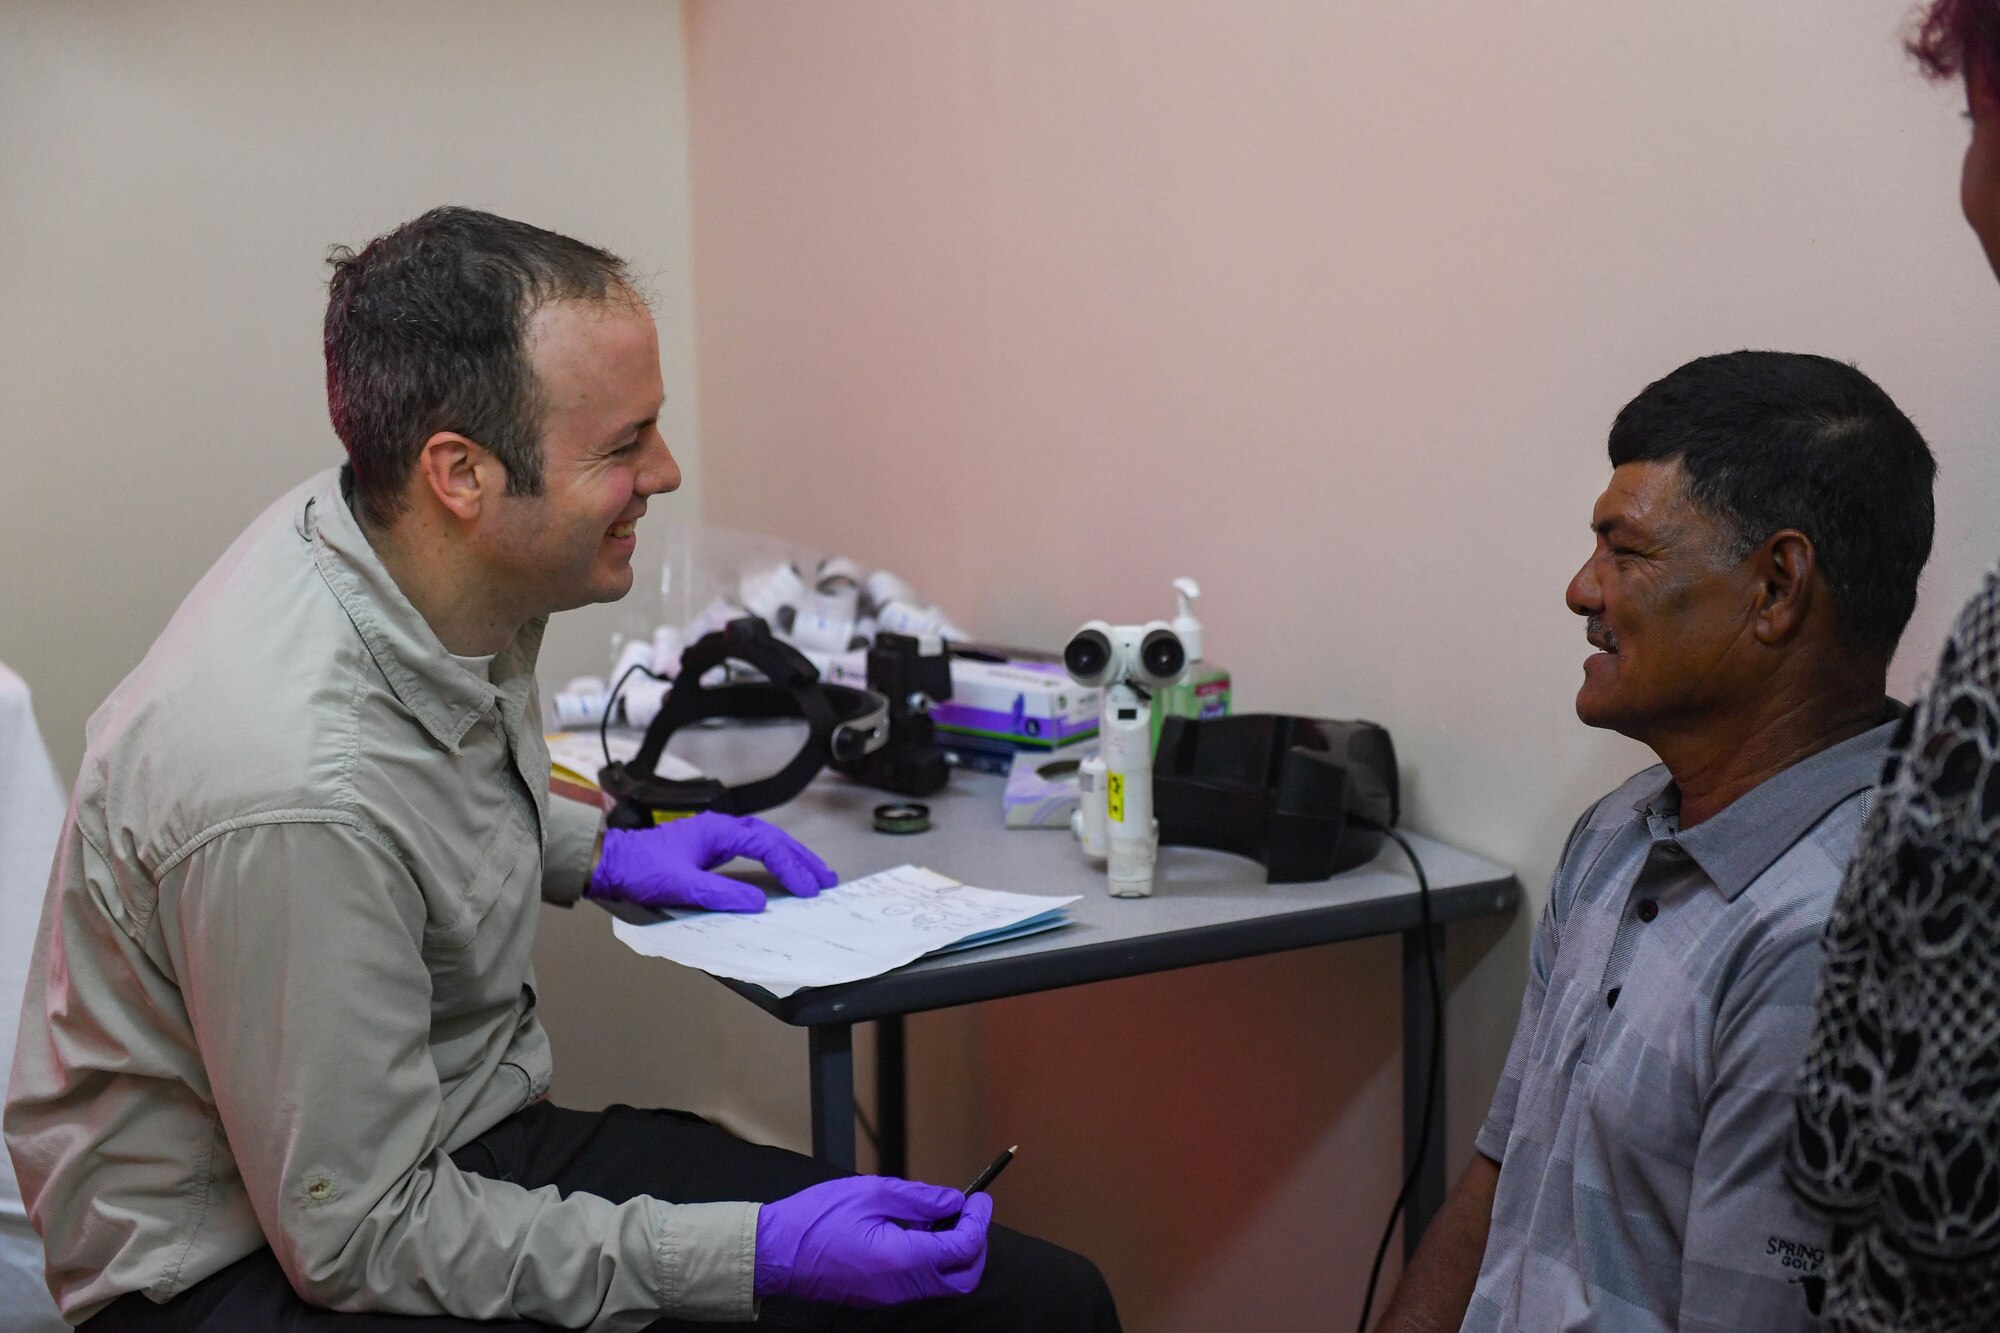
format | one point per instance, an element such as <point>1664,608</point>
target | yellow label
<point>668,816</point>
<point>1114,796</point>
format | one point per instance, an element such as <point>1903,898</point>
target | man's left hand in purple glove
<point>672,864</point>
<point>847,1241</point>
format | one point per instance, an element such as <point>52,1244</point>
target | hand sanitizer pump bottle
<point>1204,691</point>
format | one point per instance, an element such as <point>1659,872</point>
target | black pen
<point>985,1178</point>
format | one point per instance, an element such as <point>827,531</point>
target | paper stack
<point>859,929</point>
<point>575,757</point>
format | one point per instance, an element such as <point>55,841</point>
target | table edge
<point>904,992</point>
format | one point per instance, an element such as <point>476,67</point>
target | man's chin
<point>1594,710</point>
<point>612,589</point>
<point>604,587</point>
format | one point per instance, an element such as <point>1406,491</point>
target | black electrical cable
<point>1430,1076</point>
<point>611,702</point>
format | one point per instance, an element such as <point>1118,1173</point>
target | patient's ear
<point>1786,568</point>
<point>459,472</point>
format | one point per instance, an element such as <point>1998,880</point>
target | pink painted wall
<point>1328,305</point>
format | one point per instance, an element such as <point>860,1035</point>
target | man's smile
<point>625,528</point>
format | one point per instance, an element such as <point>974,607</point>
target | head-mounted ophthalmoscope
<point>845,723</point>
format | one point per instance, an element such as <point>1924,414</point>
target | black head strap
<point>791,688</point>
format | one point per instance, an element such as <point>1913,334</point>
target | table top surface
<point>1206,906</point>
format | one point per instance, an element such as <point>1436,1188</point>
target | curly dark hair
<point>1953,37</point>
<point>425,331</point>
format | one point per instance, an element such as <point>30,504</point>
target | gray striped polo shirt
<point>1641,1120</point>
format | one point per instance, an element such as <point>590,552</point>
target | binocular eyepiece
<point>1150,655</point>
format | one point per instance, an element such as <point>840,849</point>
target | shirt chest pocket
<point>508,860</point>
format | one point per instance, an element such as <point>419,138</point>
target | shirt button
<point>320,1187</point>
<point>1611,997</point>
<point>1648,909</point>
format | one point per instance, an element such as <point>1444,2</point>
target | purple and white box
<point>1016,705</point>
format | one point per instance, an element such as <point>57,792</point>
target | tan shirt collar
<point>445,697</point>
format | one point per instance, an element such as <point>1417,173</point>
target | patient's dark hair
<point>426,331</point>
<point>1955,37</point>
<point>1773,440</point>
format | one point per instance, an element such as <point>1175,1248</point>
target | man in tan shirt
<point>279,1062</point>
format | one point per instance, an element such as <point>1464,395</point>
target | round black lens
<point>1162,654</point>
<point>1087,654</point>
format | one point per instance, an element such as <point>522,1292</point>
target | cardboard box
<point>1014,705</point>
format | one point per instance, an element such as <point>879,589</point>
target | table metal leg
<point>1427,1192</point>
<point>831,1049</point>
<point>892,1150</point>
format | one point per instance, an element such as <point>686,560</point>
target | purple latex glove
<point>839,1241</point>
<point>670,865</point>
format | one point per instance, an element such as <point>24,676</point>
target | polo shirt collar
<point>1742,841</point>
<point>441,692</point>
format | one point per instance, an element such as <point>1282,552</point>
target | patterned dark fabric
<point>1898,1133</point>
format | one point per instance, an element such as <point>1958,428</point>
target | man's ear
<point>460,473</point>
<point>1787,571</point>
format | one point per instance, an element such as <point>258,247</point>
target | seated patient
<point>1757,553</point>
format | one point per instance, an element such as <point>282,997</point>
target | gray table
<point>1206,907</point>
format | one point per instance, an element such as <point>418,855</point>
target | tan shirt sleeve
<point>571,853</point>
<point>299,951</point>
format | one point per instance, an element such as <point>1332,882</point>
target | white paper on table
<point>580,754</point>
<point>859,929</point>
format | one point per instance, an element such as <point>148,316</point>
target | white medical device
<point>1114,818</point>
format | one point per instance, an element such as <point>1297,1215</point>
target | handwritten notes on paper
<point>854,930</point>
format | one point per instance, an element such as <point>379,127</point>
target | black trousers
<point>1029,1285</point>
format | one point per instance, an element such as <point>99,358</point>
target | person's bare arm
<point>1437,1285</point>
